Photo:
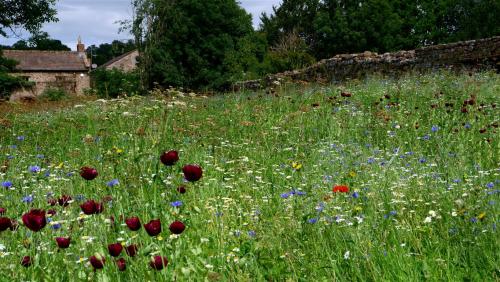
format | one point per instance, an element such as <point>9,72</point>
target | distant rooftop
<point>34,60</point>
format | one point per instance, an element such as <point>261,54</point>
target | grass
<point>423,180</point>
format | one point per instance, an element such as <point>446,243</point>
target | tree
<point>27,14</point>
<point>40,41</point>
<point>190,43</point>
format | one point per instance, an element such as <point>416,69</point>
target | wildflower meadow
<point>370,180</point>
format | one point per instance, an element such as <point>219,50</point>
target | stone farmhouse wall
<point>125,63</point>
<point>71,82</point>
<point>482,53</point>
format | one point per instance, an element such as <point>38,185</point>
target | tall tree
<point>27,14</point>
<point>190,42</point>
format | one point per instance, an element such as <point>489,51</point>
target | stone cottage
<point>126,62</point>
<point>67,70</point>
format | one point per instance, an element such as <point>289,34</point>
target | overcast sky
<point>95,20</point>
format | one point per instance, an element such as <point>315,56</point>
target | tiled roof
<point>33,60</point>
<point>116,59</point>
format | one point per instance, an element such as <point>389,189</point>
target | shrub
<point>114,83</point>
<point>53,94</point>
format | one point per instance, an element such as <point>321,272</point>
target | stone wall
<point>72,82</point>
<point>126,63</point>
<point>482,53</point>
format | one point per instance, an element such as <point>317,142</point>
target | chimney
<point>80,47</point>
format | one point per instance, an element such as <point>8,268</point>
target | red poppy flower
<point>345,94</point>
<point>177,227</point>
<point>133,223</point>
<point>192,172</point>
<point>5,223</point>
<point>121,264</point>
<point>2,210</point>
<point>62,242</point>
<point>181,189</point>
<point>169,158</point>
<point>153,227</point>
<point>340,189</point>
<point>51,212</point>
<point>64,200</point>
<point>158,262</point>
<point>131,250</point>
<point>97,262</point>
<point>52,201</point>
<point>88,173</point>
<point>26,261</point>
<point>91,207</point>
<point>115,249</point>
<point>35,219</point>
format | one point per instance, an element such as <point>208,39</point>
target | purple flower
<point>422,160</point>
<point>426,137</point>
<point>371,160</point>
<point>285,195</point>
<point>28,199</point>
<point>34,169</point>
<point>312,220</point>
<point>176,204</point>
<point>113,183</point>
<point>252,233</point>
<point>355,195</point>
<point>490,185</point>
<point>435,128</point>
<point>6,184</point>
<point>467,126</point>
<point>20,138</point>
<point>40,156</point>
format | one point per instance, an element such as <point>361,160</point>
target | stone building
<point>126,62</point>
<point>66,70</point>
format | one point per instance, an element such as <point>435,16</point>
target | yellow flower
<point>481,216</point>
<point>358,208</point>
<point>352,174</point>
<point>296,165</point>
<point>60,165</point>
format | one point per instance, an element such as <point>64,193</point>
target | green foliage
<point>192,43</point>
<point>53,94</point>
<point>27,14</point>
<point>114,83</point>
<point>9,83</point>
<point>40,41</point>
<point>103,53</point>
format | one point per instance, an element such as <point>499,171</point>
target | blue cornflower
<point>13,146</point>
<point>28,199</point>
<point>371,160</point>
<point>393,213</point>
<point>10,157</point>
<point>47,173</point>
<point>426,137</point>
<point>300,193</point>
<point>456,180</point>
<point>320,207</point>
<point>355,195</point>
<point>252,233</point>
<point>422,160</point>
<point>7,184</point>
<point>113,182</point>
<point>237,233</point>
<point>473,220</point>
<point>56,226</point>
<point>285,195</point>
<point>34,168</point>
<point>20,138</point>
<point>69,174</point>
<point>434,128</point>
<point>40,156</point>
<point>312,220</point>
<point>490,185</point>
<point>176,204</point>
<point>467,126</point>
<point>79,198</point>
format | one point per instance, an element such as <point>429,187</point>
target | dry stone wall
<point>473,54</point>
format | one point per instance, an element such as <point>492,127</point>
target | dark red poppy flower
<point>158,262</point>
<point>88,173</point>
<point>92,207</point>
<point>26,261</point>
<point>340,189</point>
<point>2,210</point>
<point>52,201</point>
<point>177,227</point>
<point>133,223</point>
<point>192,172</point>
<point>35,219</point>
<point>62,242</point>
<point>64,200</point>
<point>51,212</point>
<point>115,249</point>
<point>5,223</point>
<point>121,264</point>
<point>131,250</point>
<point>482,130</point>
<point>181,189</point>
<point>153,227</point>
<point>169,158</point>
<point>107,198</point>
<point>345,94</point>
<point>97,261</point>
